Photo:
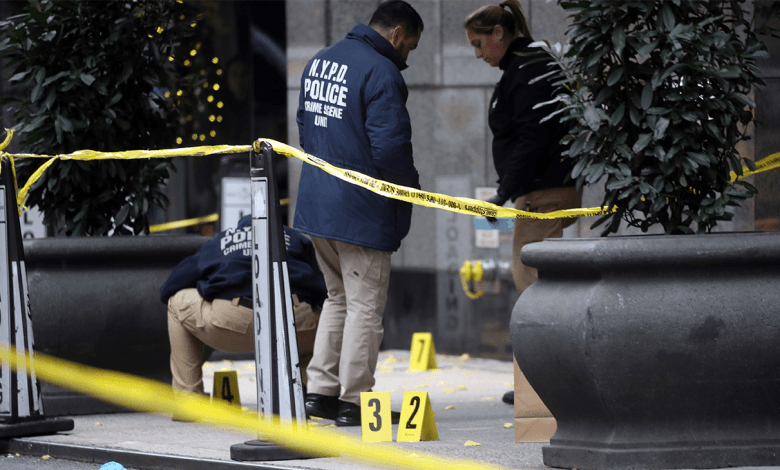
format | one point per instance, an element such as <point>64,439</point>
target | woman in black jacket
<point>526,152</point>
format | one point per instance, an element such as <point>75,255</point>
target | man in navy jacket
<point>209,297</point>
<point>352,114</point>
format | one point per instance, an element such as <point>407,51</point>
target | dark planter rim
<point>653,251</point>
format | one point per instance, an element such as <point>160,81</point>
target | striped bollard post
<point>279,381</point>
<point>21,403</point>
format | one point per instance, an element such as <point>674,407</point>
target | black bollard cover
<point>21,404</point>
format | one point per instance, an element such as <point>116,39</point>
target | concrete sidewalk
<point>465,395</point>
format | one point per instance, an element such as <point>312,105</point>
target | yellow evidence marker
<point>423,355</point>
<point>375,417</point>
<point>226,387</point>
<point>417,422</point>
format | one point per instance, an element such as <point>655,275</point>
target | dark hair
<point>488,17</point>
<point>397,13</point>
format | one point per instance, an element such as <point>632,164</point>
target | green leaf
<point>659,153</point>
<point>615,76</point>
<point>81,213</point>
<point>668,72</point>
<point>54,78</point>
<point>617,116</point>
<point>596,172</point>
<point>126,71</point>
<point>592,116</point>
<point>87,78</point>
<point>578,167</point>
<point>618,39</point>
<point>50,97</point>
<point>633,113</point>
<point>667,17</point>
<point>744,99</point>
<point>36,93</point>
<point>121,216</point>
<point>647,48</point>
<point>647,95</point>
<point>699,158</point>
<point>115,99</point>
<point>616,183</point>
<point>36,123</point>
<point>64,123</point>
<point>40,74</point>
<point>641,143</point>
<point>660,128</point>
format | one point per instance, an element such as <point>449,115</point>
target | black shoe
<point>322,406</point>
<point>349,415</point>
<point>509,397</point>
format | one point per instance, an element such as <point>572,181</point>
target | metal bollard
<point>279,381</point>
<point>21,404</point>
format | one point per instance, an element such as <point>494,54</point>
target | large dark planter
<point>655,351</point>
<point>96,301</point>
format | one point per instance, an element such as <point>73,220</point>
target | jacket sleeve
<point>184,276</point>
<point>389,128</point>
<point>531,136</point>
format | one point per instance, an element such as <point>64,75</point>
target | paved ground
<point>465,395</point>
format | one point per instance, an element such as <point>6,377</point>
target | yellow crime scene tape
<point>767,163</point>
<point>154,397</point>
<point>184,223</point>
<point>462,205</point>
<point>150,396</point>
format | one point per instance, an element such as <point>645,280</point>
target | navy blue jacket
<point>352,114</point>
<point>222,268</point>
<point>526,152</point>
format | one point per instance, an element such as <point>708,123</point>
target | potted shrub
<point>657,351</point>
<point>99,76</point>
<point>106,76</point>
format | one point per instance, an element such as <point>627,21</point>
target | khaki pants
<point>346,349</point>
<point>535,230</point>
<point>223,325</point>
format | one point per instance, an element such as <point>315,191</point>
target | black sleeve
<point>531,136</point>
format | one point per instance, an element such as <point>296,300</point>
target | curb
<point>128,458</point>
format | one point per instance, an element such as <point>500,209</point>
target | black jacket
<point>526,153</point>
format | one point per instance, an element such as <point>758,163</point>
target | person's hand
<point>498,200</point>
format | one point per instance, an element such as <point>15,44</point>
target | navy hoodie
<point>352,114</point>
<point>222,268</point>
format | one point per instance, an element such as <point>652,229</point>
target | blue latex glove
<point>499,200</point>
<point>112,466</point>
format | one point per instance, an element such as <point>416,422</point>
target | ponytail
<point>508,14</point>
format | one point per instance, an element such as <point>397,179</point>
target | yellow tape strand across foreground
<point>154,397</point>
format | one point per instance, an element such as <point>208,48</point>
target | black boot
<point>322,406</point>
<point>509,397</point>
<point>349,415</point>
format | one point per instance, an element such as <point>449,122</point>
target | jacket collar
<point>517,44</point>
<point>369,36</point>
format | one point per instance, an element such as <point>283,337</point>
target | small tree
<point>100,76</point>
<point>658,97</point>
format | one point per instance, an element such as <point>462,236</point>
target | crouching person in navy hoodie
<point>209,297</point>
